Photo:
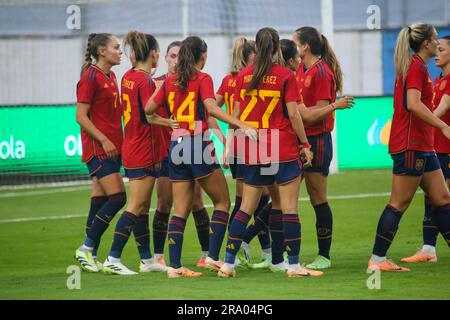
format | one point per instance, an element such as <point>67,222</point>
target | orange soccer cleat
<point>201,261</point>
<point>182,272</point>
<point>303,272</point>
<point>213,265</point>
<point>420,256</point>
<point>386,265</point>
<point>226,272</point>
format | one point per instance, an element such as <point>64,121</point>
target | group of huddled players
<point>280,98</point>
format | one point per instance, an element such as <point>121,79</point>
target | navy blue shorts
<point>414,163</point>
<point>237,168</point>
<point>164,171</point>
<point>150,171</point>
<point>322,149</point>
<point>444,160</point>
<point>102,168</point>
<point>191,158</point>
<point>254,175</point>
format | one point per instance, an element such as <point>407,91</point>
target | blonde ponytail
<point>141,44</point>
<point>238,55</point>
<point>402,57</point>
<point>410,38</point>
<point>241,52</point>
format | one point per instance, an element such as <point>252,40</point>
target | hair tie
<point>409,29</point>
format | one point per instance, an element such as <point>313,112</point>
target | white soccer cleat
<point>116,268</point>
<point>86,260</point>
<point>152,265</point>
<point>98,263</point>
<point>279,267</point>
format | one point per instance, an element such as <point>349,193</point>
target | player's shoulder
<point>129,74</point>
<point>170,80</point>
<point>228,77</point>
<point>90,74</point>
<point>322,70</point>
<point>246,70</point>
<point>203,75</point>
<point>417,65</point>
<point>282,72</point>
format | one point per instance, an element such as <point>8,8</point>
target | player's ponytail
<point>189,55</point>
<point>87,55</point>
<point>410,38</point>
<point>241,51</point>
<point>95,40</point>
<point>141,44</point>
<point>268,52</point>
<point>329,57</point>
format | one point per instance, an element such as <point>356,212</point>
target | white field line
<point>70,216</point>
<point>42,192</point>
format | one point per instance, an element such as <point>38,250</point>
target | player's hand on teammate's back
<point>250,132</point>
<point>224,161</point>
<point>344,103</point>
<point>306,157</point>
<point>173,123</point>
<point>110,149</point>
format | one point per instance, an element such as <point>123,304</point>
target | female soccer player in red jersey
<point>142,152</point>
<point>164,186</point>
<point>441,101</point>
<point>190,96</point>
<point>312,114</point>
<point>411,142</point>
<point>243,54</point>
<point>319,77</point>
<point>99,114</point>
<point>291,59</point>
<point>267,95</point>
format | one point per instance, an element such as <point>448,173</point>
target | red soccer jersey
<point>441,87</point>
<point>164,112</point>
<point>409,132</point>
<point>317,83</point>
<point>142,141</point>
<point>187,106</point>
<point>100,91</point>
<point>227,89</point>
<point>264,108</point>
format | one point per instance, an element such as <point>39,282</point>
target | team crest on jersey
<point>308,81</point>
<point>443,84</point>
<point>419,164</point>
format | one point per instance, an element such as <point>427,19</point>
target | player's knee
<point>440,200</point>
<point>223,204</point>
<point>119,199</point>
<point>164,204</point>
<point>290,208</point>
<point>400,205</point>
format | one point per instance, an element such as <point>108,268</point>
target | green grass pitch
<point>35,254</point>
